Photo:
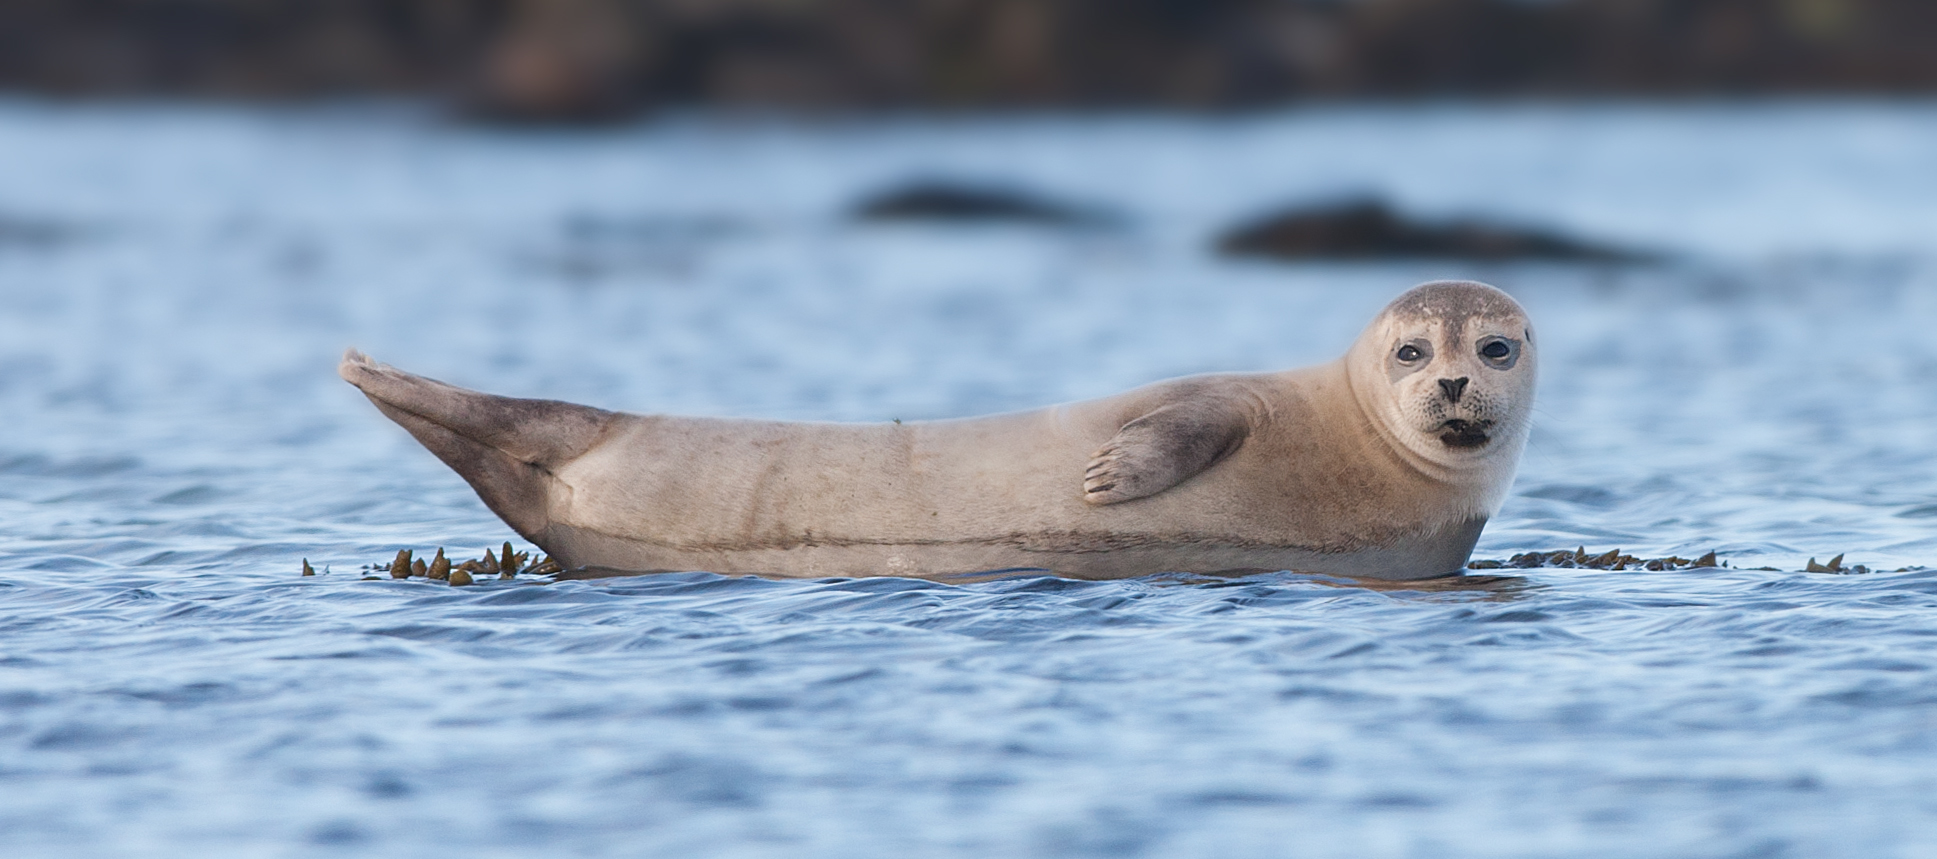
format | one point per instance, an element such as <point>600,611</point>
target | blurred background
<point>582,59</point>
<point>1721,215</point>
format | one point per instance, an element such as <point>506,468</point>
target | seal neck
<point>1475,476</point>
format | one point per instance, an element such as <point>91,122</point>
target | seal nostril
<point>1453,387</point>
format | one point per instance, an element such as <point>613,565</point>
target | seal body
<point>1376,465</point>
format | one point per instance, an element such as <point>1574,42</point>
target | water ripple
<point>176,446</point>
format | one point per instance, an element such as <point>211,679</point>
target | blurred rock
<point>33,233</point>
<point>1368,229</point>
<point>950,201</point>
<point>231,48</point>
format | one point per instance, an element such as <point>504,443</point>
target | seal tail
<point>506,448</point>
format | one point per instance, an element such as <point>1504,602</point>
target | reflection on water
<point>1485,587</point>
<point>177,443</point>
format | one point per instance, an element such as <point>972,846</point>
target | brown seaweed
<point>1615,559</point>
<point>506,563</point>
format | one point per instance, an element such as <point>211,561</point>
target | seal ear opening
<point>506,448</point>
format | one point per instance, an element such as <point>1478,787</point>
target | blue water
<point>176,443</point>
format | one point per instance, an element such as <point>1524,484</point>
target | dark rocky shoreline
<point>548,60</point>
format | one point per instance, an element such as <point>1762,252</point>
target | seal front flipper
<point>506,448</point>
<point>1163,448</point>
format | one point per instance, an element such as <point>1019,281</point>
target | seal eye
<point>1408,353</point>
<point>1496,350</point>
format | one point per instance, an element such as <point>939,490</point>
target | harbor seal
<point>1385,463</point>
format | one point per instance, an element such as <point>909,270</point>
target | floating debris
<point>1367,228</point>
<point>400,568</point>
<point>440,567</point>
<point>460,578</point>
<point>307,569</point>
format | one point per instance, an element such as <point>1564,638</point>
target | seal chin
<point>1464,435</point>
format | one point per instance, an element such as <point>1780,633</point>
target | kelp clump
<point>1580,558</point>
<point>507,563</point>
<point>1614,559</point>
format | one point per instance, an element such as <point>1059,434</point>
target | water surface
<point>177,442</point>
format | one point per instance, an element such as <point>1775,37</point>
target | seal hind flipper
<point>506,448</point>
<point>1163,448</point>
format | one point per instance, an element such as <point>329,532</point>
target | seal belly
<point>1081,556</point>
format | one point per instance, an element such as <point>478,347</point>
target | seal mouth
<point>1458,433</point>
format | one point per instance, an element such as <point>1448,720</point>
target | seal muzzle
<point>1464,434</point>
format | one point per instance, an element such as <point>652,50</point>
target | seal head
<point>1446,374</point>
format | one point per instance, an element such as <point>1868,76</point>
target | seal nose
<point>1453,388</point>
